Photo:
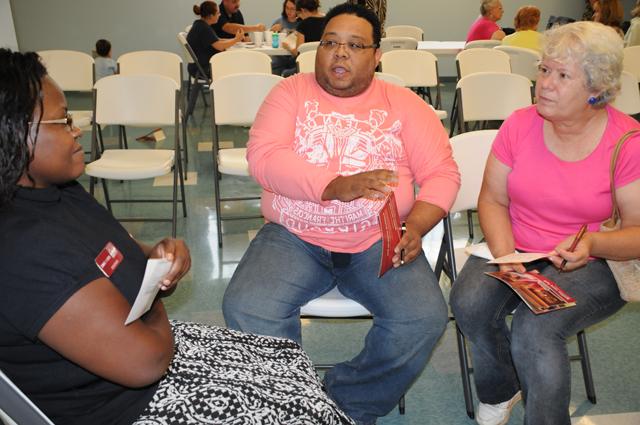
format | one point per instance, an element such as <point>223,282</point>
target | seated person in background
<point>63,341</point>
<point>609,12</point>
<point>546,176</point>
<point>526,24</point>
<point>327,148</point>
<point>311,24</point>
<point>288,20</point>
<point>231,20</point>
<point>632,37</point>
<point>105,65</point>
<point>485,27</point>
<point>203,39</point>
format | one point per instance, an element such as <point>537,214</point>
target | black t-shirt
<point>50,239</point>
<point>234,18</point>
<point>201,37</point>
<point>311,28</point>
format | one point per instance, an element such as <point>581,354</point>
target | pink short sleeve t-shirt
<point>549,199</point>
<point>482,29</point>
<point>303,138</point>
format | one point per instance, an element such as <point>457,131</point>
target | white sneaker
<point>496,414</point>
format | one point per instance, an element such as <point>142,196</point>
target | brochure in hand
<point>539,293</point>
<point>390,227</point>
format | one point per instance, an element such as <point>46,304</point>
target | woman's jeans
<point>279,273</point>
<point>532,355</point>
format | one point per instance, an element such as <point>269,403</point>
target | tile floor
<point>436,397</point>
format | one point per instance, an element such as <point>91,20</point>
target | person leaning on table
<point>231,20</point>
<point>203,39</point>
<point>546,176</point>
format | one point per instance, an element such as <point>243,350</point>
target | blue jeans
<point>280,272</point>
<point>532,355</point>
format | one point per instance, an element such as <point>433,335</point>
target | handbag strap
<point>615,213</point>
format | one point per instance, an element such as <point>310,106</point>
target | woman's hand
<point>512,267</point>
<point>175,251</point>
<point>576,259</point>
<point>276,27</point>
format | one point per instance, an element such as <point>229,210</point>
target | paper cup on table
<point>281,38</point>
<point>267,37</point>
<point>256,37</point>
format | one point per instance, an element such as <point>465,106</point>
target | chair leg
<point>454,114</point>
<point>585,361</point>
<point>401,406</point>
<point>105,190</point>
<point>181,174</point>
<point>216,186</point>
<point>470,223</point>
<point>174,213</point>
<point>92,185</point>
<point>185,143</point>
<point>465,373</point>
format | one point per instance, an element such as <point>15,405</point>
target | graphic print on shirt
<point>347,145</point>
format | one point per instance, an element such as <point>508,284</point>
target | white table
<point>450,48</point>
<point>279,51</point>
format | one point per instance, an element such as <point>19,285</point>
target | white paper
<point>156,269</point>
<point>517,257</point>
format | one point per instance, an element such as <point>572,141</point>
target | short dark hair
<point>206,8</point>
<point>310,5</point>
<point>20,95</point>
<point>103,47</point>
<point>360,12</point>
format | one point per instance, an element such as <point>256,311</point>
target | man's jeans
<point>532,356</point>
<point>280,272</point>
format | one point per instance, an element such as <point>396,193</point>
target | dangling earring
<point>592,100</point>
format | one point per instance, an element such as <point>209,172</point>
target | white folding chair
<point>72,71</point>
<point>199,82</point>
<point>306,61</point>
<point>393,43</point>
<point>239,61</point>
<point>308,46</point>
<point>390,78</point>
<point>523,61</point>
<point>16,408</point>
<point>631,61</point>
<point>470,151</point>
<point>405,31</point>
<point>474,60</point>
<point>142,101</point>
<point>418,69</point>
<point>487,44</point>
<point>628,100</point>
<point>236,100</point>
<point>478,100</point>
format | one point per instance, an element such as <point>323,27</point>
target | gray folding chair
<point>17,407</point>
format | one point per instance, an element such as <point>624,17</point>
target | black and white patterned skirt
<point>221,376</point>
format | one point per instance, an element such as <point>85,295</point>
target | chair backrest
<point>17,406</point>
<point>73,71</point>
<point>308,46</point>
<point>151,62</point>
<point>628,100</point>
<point>487,44</point>
<point>188,28</point>
<point>306,61</point>
<point>482,60</point>
<point>187,52</point>
<point>390,78</point>
<point>239,61</point>
<point>470,151</point>
<point>523,61</point>
<point>631,61</point>
<point>393,43</point>
<point>417,68</point>
<point>492,95</point>
<point>405,31</point>
<point>138,100</point>
<point>237,97</point>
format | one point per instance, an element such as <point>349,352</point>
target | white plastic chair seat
<point>333,304</point>
<point>628,100</point>
<point>82,119</point>
<point>233,161</point>
<point>132,164</point>
<point>441,114</point>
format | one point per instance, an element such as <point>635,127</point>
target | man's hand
<point>411,243</point>
<point>370,184</point>
<point>176,251</point>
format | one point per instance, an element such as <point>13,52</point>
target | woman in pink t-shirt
<point>547,175</point>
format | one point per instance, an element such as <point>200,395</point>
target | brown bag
<point>626,273</point>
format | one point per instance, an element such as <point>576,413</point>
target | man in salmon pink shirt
<point>327,148</point>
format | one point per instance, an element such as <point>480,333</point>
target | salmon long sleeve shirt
<point>304,137</point>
